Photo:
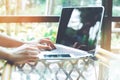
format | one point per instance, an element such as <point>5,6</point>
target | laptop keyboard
<point>61,52</point>
<point>61,49</point>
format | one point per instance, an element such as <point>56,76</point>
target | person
<point>22,52</point>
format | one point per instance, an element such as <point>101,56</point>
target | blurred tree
<point>2,3</point>
<point>116,2</point>
<point>42,1</point>
<point>66,3</point>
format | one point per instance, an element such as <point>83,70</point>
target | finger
<point>25,61</point>
<point>43,40</point>
<point>44,47</point>
<point>29,52</point>
<point>26,47</point>
<point>19,63</point>
<point>48,42</point>
<point>33,52</point>
<point>31,47</point>
<point>52,45</point>
<point>32,57</point>
<point>33,60</point>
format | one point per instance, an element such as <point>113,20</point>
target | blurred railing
<point>16,19</point>
<point>65,69</point>
<point>116,48</point>
<point>109,64</point>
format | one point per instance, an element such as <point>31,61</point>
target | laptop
<point>78,33</point>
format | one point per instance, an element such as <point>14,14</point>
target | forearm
<point>6,41</point>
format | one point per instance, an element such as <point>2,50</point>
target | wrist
<point>9,56</point>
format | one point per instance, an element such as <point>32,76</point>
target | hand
<point>24,54</point>
<point>45,44</point>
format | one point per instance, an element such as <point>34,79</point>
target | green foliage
<point>42,1</point>
<point>51,34</point>
<point>70,2</point>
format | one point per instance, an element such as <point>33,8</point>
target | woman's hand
<point>44,44</point>
<point>24,54</point>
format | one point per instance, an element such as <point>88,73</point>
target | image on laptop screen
<point>79,27</point>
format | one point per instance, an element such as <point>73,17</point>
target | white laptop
<point>78,33</point>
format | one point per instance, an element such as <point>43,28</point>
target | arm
<point>4,53</point>
<point>6,41</point>
<point>23,54</point>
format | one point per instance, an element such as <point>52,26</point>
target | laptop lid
<point>79,27</point>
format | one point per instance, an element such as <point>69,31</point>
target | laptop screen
<point>79,27</point>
